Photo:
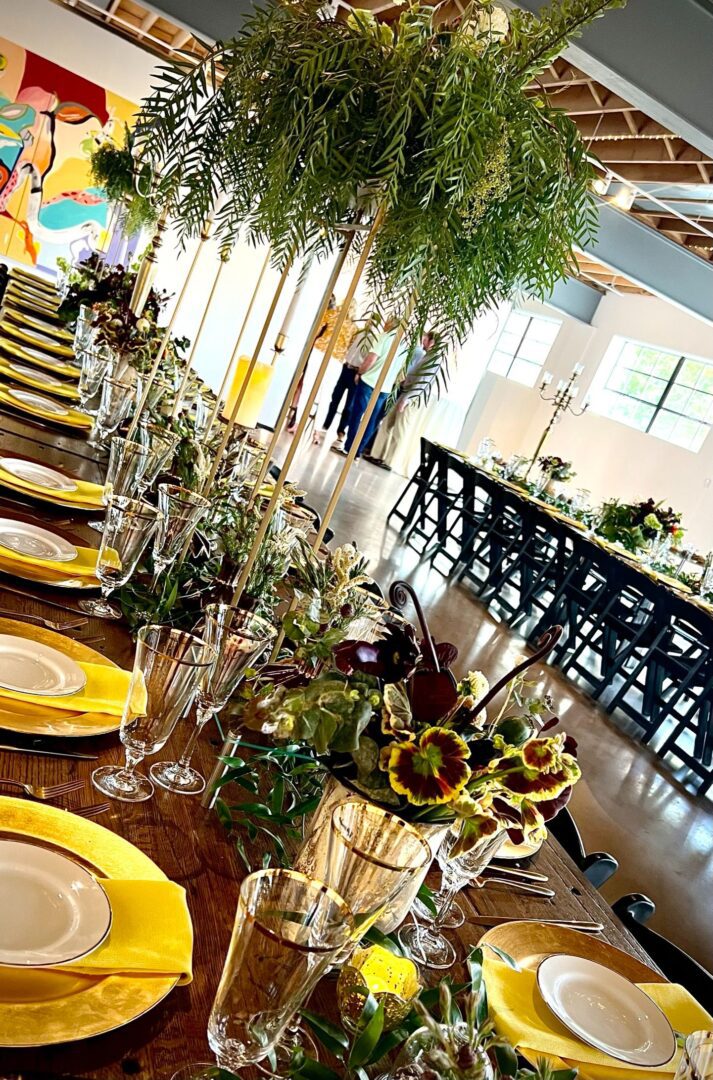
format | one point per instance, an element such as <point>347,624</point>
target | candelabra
<point>562,402</point>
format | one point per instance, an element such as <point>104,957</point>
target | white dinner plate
<point>40,475</point>
<point>26,539</point>
<point>605,1010</point>
<point>54,911</point>
<point>30,667</point>
<point>46,358</point>
<point>33,373</point>
<point>38,401</point>
<point>511,851</point>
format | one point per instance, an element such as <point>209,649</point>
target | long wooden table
<point>191,847</point>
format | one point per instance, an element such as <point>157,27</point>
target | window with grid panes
<point>523,346</point>
<point>663,393</point>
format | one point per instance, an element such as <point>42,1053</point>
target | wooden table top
<point>192,848</point>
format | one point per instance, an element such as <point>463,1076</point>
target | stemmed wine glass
<point>96,363</point>
<point>127,461</point>
<point>128,527</point>
<point>239,638</point>
<point>116,399</point>
<point>427,945</point>
<point>697,1058</point>
<point>160,445</point>
<point>167,669</point>
<point>288,930</point>
<point>181,510</point>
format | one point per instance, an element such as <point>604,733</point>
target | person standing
<point>368,374</point>
<point>345,384</point>
<point>391,446</point>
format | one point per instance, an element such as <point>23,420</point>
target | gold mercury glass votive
<point>393,980</point>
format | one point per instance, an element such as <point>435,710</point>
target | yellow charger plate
<point>43,1008</point>
<point>39,340</point>
<point>68,391</point>
<point>73,418</point>
<point>32,301</point>
<point>28,719</point>
<point>34,279</point>
<point>36,322</point>
<point>39,358</point>
<point>45,495</point>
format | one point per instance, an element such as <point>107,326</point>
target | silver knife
<point>48,753</point>
<point>571,924</point>
<point>521,886</point>
<point>513,871</point>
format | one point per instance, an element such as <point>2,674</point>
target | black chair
<point>634,910</point>
<point>597,867</point>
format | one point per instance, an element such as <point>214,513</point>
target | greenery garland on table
<point>306,120</point>
<point>634,525</point>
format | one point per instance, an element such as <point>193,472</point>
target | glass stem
<point>445,907</point>
<point>202,717</point>
<point>133,758</point>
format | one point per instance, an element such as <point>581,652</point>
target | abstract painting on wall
<point>50,119</point>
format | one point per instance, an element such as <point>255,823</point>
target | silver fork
<point>91,811</point>
<point>24,616</point>
<point>37,791</point>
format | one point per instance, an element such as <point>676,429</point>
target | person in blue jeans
<point>369,372</point>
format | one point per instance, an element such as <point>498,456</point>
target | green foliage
<point>484,185</point>
<point>112,168</point>
<point>633,525</point>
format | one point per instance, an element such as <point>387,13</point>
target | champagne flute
<point>128,527</point>
<point>427,945</point>
<point>96,362</point>
<point>239,638</point>
<point>167,669</point>
<point>181,510</point>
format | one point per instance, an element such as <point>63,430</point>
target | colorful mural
<point>50,119</point>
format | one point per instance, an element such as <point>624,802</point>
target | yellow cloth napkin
<point>84,566</point>
<point>72,418</point>
<point>105,692</point>
<point>86,494</point>
<point>59,389</point>
<point>522,1016</point>
<point>151,932</point>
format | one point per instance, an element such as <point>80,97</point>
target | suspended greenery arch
<point>304,119</point>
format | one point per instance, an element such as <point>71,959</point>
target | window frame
<point>531,317</point>
<point>659,407</point>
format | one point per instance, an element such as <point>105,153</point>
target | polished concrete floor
<point>625,804</point>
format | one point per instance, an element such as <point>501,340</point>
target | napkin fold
<point>105,691</point>
<point>84,566</point>
<point>151,932</point>
<point>523,1017</point>
<point>72,418</point>
<point>85,495</point>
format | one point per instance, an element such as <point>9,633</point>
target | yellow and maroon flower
<point>432,769</point>
<point>541,754</point>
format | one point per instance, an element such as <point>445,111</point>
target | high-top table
<point>190,845</point>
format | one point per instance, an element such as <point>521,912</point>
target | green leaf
<point>387,941</point>
<point>502,955</point>
<point>372,1019</point>
<point>309,1069</point>
<point>331,1036</point>
<point>425,895</point>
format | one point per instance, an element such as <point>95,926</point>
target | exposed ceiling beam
<point>656,54</point>
<point>645,150</point>
<point>663,173</point>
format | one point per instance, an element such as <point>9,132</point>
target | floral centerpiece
<point>634,525</point>
<point>388,718</point>
<point>556,467</point>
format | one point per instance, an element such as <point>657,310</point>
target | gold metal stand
<point>236,350</point>
<point>230,425</point>
<point>189,359</point>
<point>280,482</point>
<point>147,269</point>
<point>166,337</point>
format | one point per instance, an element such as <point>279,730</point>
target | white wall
<point>611,459</point>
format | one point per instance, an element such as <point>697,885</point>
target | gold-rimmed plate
<point>60,575</point>
<point>44,1008</point>
<point>40,340</point>
<point>38,357</point>
<point>37,323</point>
<point>28,719</point>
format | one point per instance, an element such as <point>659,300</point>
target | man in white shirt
<point>369,372</point>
